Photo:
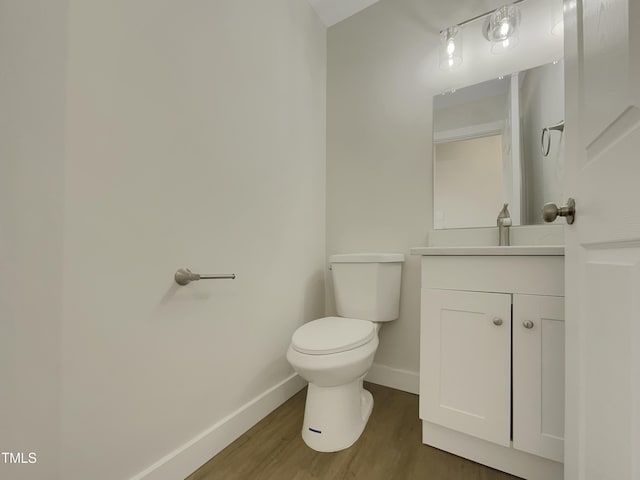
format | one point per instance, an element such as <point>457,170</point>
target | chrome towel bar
<point>184,276</point>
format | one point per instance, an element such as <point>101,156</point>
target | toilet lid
<point>332,335</point>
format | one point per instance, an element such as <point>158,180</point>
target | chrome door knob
<point>527,324</point>
<point>497,321</point>
<point>550,211</point>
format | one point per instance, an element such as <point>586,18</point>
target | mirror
<point>497,142</point>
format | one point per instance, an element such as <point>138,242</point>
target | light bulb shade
<point>503,28</point>
<point>502,46</point>
<point>450,51</point>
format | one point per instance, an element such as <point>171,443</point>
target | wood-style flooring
<point>389,448</point>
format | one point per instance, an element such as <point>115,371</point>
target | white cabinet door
<point>538,375</point>
<point>465,362</point>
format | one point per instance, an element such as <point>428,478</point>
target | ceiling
<point>334,11</point>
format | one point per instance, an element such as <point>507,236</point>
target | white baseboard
<point>404,380</point>
<point>189,457</point>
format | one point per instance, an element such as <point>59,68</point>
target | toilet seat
<point>332,335</point>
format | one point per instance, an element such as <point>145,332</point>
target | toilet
<point>334,353</point>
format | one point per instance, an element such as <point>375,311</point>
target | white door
<point>538,375</point>
<point>602,429</point>
<point>465,362</point>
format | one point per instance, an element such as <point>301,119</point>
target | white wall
<point>382,75</point>
<point>192,135</point>
<point>32,90</point>
<point>195,138</point>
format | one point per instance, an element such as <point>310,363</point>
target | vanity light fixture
<point>500,28</point>
<point>450,48</point>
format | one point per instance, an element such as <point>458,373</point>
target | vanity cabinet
<point>538,375</point>
<point>492,360</point>
<point>466,362</point>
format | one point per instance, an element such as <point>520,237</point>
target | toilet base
<point>335,417</point>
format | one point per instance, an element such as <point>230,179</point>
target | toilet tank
<point>367,285</point>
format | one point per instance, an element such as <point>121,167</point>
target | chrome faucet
<point>504,222</point>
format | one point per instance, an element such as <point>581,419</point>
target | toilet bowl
<point>337,407</point>
<point>334,353</point>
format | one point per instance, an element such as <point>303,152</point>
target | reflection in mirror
<point>483,158</point>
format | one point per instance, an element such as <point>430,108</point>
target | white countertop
<point>554,250</point>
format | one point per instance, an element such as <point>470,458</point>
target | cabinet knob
<point>527,324</point>
<point>497,321</point>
